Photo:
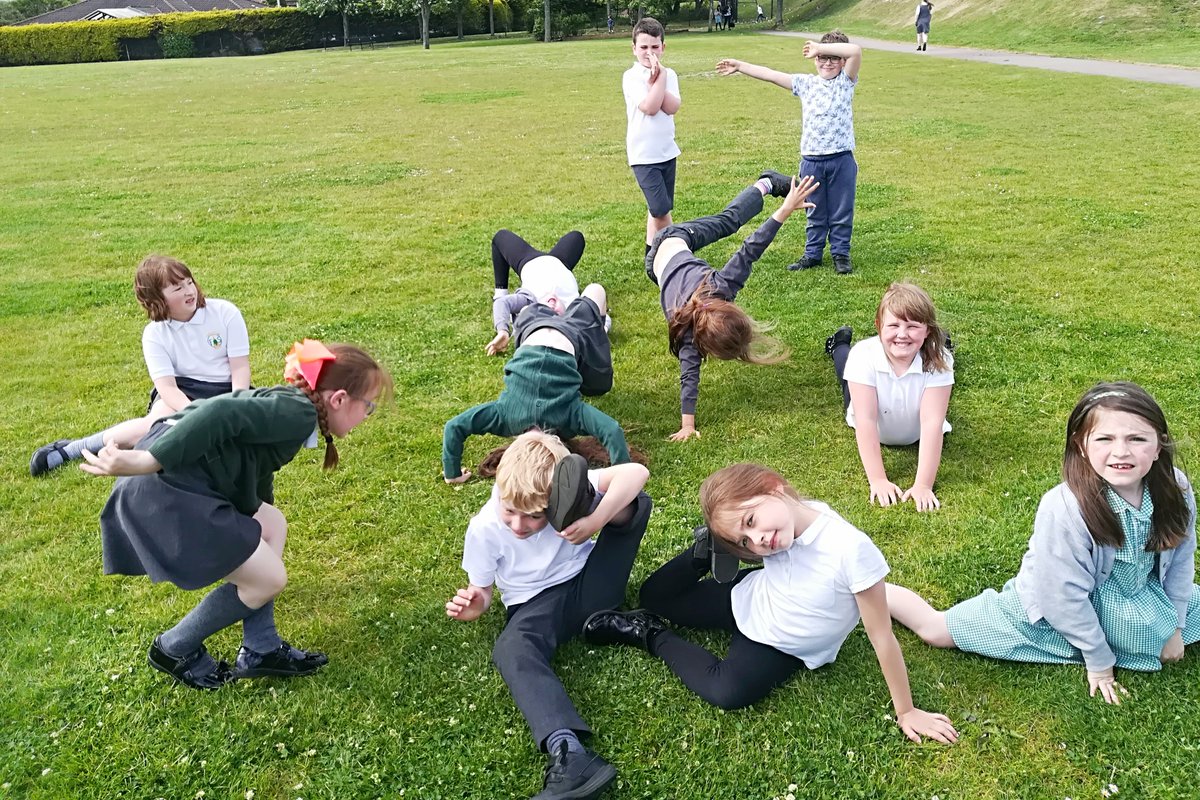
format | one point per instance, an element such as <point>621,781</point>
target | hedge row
<point>267,29</point>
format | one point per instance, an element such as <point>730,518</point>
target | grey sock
<point>219,609</point>
<point>258,630</point>
<point>555,739</point>
<point>75,449</point>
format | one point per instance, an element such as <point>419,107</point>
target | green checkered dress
<point>1135,613</point>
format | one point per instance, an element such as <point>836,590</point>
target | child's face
<point>902,338</point>
<point>765,525</point>
<point>181,299</point>
<point>648,49</point>
<point>344,412</point>
<point>522,524</point>
<point>829,67</point>
<point>1121,447</point>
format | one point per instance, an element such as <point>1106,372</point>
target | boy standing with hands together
<point>651,100</point>
<point>826,141</point>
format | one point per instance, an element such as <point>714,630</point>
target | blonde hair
<point>153,275</point>
<point>352,370</point>
<point>725,494</point>
<point>722,330</point>
<point>526,469</point>
<point>910,302</point>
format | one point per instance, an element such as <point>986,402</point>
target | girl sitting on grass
<point>895,389</point>
<point>819,575</point>
<point>1108,577</point>
<point>193,506</point>
<point>697,300</point>
<point>194,347</point>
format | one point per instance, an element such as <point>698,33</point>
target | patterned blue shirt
<point>827,113</point>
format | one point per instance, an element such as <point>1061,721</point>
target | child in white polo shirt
<point>533,539</point>
<point>651,100</point>
<point>195,347</point>
<point>819,576</point>
<point>896,388</point>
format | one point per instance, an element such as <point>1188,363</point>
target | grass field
<point>351,196</point>
<point>1151,31</point>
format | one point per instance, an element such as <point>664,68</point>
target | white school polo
<point>546,277</point>
<point>199,348</point>
<point>649,139</point>
<point>522,568</point>
<point>802,601</point>
<point>899,397</point>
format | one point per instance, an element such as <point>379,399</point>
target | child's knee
<point>730,695</point>
<point>595,292</point>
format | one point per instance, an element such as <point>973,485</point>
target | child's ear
<point>338,398</point>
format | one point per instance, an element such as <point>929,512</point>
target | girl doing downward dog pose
<point>1108,577</point>
<point>819,575</point>
<point>896,388</point>
<point>194,507</point>
<point>194,347</point>
<point>697,300</point>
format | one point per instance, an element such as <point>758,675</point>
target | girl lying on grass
<point>193,506</point>
<point>1107,579</point>
<point>819,575</point>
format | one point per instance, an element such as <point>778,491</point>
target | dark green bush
<point>176,45</point>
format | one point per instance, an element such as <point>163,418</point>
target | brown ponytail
<point>721,329</point>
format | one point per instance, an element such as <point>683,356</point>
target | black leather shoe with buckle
<point>284,662</point>
<point>183,669</point>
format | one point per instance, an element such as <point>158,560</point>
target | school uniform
<point>549,588</point>
<point>650,139</point>
<point>900,396</point>
<point>197,352</point>
<point>1076,602</point>
<point>192,522</point>
<point>795,612</point>
<point>543,275</point>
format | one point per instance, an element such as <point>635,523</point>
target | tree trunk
<point>546,32</point>
<point>345,30</point>
<point>460,16</point>
<point>492,19</point>
<point>710,15</point>
<point>779,14</point>
<point>425,24</point>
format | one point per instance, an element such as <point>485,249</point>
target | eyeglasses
<point>370,405</point>
<point>829,59</point>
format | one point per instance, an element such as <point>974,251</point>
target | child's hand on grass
<point>916,723</point>
<point>1107,685</point>
<point>467,604</point>
<point>922,496</point>
<point>1173,650</point>
<point>497,345</point>
<point>466,476</point>
<point>884,491</point>
<point>684,433</point>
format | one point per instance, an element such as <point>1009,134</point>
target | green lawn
<point>1149,31</point>
<point>352,196</point>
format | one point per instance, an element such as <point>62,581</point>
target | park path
<point>1179,76</point>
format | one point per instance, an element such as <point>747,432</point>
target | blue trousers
<point>833,217</point>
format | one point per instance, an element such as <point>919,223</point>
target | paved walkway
<point>1179,76</point>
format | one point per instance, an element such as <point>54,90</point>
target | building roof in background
<point>108,9</point>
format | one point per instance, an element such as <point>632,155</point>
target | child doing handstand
<point>558,358</point>
<point>819,575</point>
<point>826,141</point>
<point>194,506</point>
<point>551,579</point>
<point>1108,577</point>
<point>895,390</point>
<point>697,300</point>
<point>194,347</point>
<point>546,278</point>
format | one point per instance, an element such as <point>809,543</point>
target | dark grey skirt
<point>173,528</point>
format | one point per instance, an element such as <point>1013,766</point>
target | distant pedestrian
<point>761,16</point>
<point>922,20</point>
<point>611,23</point>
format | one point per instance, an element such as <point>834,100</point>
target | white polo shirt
<point>522,568</point>
<point>546,277</point>
<point>199,348</point>
<point>648,139</point>
<point>899,397</point>
<point>802,601</point>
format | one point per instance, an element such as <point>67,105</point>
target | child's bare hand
<point>466,476</point>
<point>655,68</point>
<point>684,433</point>
<point>922,496</point>
<point>810,49</point>
<point>729,66</point>
<point>1173,649</point>
<point>113,461</point>
<point>799,194</point>
<point>581,529</point>
<point>1105,683</point>
<point>884,491</point>
<point>497,345</point>
<point>467,604</point>
<point>917,723</point>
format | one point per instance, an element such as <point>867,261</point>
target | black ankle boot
<point>633,628</point>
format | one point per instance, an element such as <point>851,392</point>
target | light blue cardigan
<point>1064,565</point>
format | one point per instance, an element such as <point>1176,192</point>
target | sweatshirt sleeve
<point>689,375</point>
<point>1064,576</point>
<point>482,418</point>
<point>244,418</point>
<point>506,308</point>
<point>607,430</point>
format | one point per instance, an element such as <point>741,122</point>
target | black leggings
<point>748,672</point>
<point>510,251</point>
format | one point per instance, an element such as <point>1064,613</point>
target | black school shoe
<point>723,564</point>
<point>805,263</point>
<point>39,465</point>
<point>841,265</point>
<point>781,185</point>
<point>571,493</point>
<point>575,776</point>
<point>631,628</point>
<point>284,662</point>
<point>843,335</point>
<point>181,669</point>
